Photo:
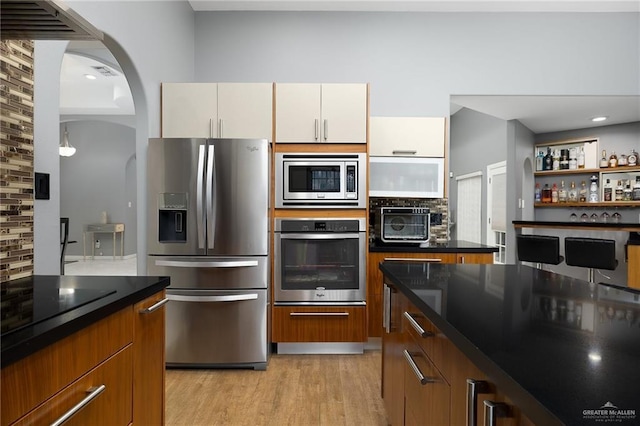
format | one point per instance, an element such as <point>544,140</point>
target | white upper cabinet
<point>217,110</point>
<point>244,110</point>
<point>407,136</point>
<point>189,110</point>
<point>309,113</point>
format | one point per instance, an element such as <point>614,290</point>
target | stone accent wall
<point>16,159</point>
<point>438,207</point>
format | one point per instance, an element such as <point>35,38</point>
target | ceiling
<point>422,5</point>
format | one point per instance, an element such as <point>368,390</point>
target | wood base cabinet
<point>438,381</point>
<point>633,266</point>
<point>298,324</point>
<point>119,360</point>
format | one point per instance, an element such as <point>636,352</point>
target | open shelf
<point>587,205</point>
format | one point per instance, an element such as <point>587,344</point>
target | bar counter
<point>559,347</point>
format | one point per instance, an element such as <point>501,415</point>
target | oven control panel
<point>320,225</point>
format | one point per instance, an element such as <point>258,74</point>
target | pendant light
<point>65,149</point>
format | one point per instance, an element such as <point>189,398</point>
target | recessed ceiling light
<point>601,118</point>
<point>90,76</point>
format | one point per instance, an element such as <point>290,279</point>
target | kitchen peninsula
<point>90,344</point>
<point>549,349</point>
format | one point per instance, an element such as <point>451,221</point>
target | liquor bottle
<point>546,193</point>
<point>539,161</point>
<point>554,193</point>
<point>636,189</point>
<point>562,193</point>
<point>538,193</point>
<point>556,159</point>
<point>613,159</point>
<point>619,191</point>
<point>582,193</point>
<point>608,191</point>
<point>604,163</point>
<point>623,160</point>
<point>573,159</point>
<point>573,193</point>
<point>581,158</point>
<point>548,161</point>
<point>632,159</point>
<point>628,192</point>
<point>564,159</point>
<point>593,190</point>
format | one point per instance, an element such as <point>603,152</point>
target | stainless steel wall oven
<point>320,260</point>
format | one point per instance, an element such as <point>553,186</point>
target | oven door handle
<point>318,236</point>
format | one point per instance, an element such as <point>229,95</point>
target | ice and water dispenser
<point>172,217</point>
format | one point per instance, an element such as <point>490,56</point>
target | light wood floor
<point>294,390</point>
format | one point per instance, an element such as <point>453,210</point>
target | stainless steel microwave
<point>327,180</point>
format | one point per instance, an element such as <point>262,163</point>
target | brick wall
<point>16,159</point>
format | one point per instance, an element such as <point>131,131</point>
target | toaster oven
<point>403,224</point>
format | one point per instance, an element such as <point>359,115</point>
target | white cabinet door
<point>189,110</point>
<point>297,113</point>
<point>407,136</point>
<point>344,113</point>
<point>404,177</point>
<point>244,110</point>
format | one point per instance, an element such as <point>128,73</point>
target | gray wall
<point>414,61</point>
<point>153,42</point>
<point>99,177</point>
<point>475,141</point>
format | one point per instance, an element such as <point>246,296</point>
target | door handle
<point>93,394</point>
<point>326,129</point>
<point>474,387</point>
<point>207,264</point>
<point>494,410</point>
<point>316,129</point>
<point>220,128</point>
<point>410,259</point>
<point>402,151</point>
<point>319,314</point>
<point>225,298</point>
<point>421,331</point>
<point>211,198</point>
<point>154,307</point>
<point>199,206</point>
<point>416,370</point>
<point>386,303</point>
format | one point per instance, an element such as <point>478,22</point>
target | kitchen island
<point>99,340</point>
<point>553,349</point>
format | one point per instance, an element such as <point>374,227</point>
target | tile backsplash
<point>16,159</point>
<point>438,207</point>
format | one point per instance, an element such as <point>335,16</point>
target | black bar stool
<point>592,253</point>
<point>64,241</point>
<point>539,249</point>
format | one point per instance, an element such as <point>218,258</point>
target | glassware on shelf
<point>604,217</point>
<point>584,218</point>
<point>573,217</point>
<point>616,217</point>
<point>594,217</point>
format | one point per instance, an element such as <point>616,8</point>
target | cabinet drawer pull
<point>410,259</point>
<point>154,307</point>
<point>421,331</point>
<point>423,380</point>
<point>319,314</point>
<point>93,393</point>
<point>493,410</point>
<point>404,151</point>
<point>474,387</point>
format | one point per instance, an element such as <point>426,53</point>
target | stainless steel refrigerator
<point>208,230</point>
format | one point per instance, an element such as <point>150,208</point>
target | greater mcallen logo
<point>609,413</point>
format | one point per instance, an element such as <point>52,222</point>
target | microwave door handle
<point>199,190</point>
<point>211,198</point>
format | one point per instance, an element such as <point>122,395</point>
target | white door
<point>497,209</point>
<point>244,110</point>
<point>189,110</point>
<point>468,218</point>
<point>297,113</point>
<point>344,113</point>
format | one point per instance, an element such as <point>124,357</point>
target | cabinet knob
<point>494,410</point>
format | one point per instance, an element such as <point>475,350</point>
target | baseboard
<point>103,257</point>
<point>373,344</point>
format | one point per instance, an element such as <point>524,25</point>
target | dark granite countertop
<point>40,310</point>
<point>555,345</point>
<point>453,246</point>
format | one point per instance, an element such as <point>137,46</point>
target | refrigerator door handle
<point>225,298</point>
<point>211,198</point>
<point>199,210</point>
<point>207,264</point>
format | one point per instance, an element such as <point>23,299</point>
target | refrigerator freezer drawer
<point>208,272</point>
<point>216,328</point>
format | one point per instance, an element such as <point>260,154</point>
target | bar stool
<point>539,249</point>
<point>592,253</point>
